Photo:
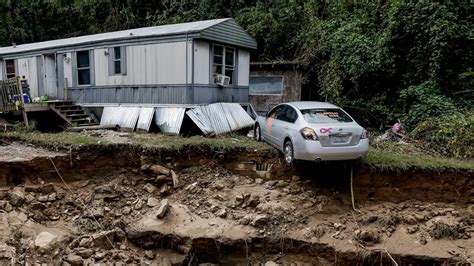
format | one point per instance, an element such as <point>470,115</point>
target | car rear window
<point>325,115</point>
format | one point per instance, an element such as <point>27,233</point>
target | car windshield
<point>325,115</point>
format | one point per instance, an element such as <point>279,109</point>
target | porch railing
<point>11,97</point>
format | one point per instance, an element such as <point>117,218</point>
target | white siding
<point>1,69</point>
<point>68,69</point>
<point>201,62</point>
<point>163,63</point>
<point>243,70</point>
<point>27,67</point>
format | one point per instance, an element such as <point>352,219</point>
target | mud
<point>230,208</point>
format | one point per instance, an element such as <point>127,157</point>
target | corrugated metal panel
<point>145,118</point>
<point>125,117</point>
<point>169,119</point>
<point>236,116</point>
<point>173,29</point>
<point>201,121</point>
<point>215,114</point>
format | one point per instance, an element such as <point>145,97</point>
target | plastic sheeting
<point>145,118</point>
<point>169,119</point>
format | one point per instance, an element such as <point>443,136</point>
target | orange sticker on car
<point>268,124</point>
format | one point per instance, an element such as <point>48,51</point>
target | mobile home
<point>187,64</point>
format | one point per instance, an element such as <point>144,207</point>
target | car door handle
<point>286,127</point>
<point>273,125</point>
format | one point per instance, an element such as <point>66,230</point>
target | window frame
<point>223,65</point>
<point>112,60</point>
<point>115,60</point>
<point>7,74</point>
<point>89,67</point>
<point>268,76</point>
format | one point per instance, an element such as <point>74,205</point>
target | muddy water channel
<point>197,206</point>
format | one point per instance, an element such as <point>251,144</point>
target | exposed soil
<point>198,206</point>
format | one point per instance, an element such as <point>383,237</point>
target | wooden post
<point>23,111</point>
<point>65,89</point>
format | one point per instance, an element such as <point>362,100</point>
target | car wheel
<point>257,133</point>
<point>288,152</point>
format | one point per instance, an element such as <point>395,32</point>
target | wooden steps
<point>72,113</point>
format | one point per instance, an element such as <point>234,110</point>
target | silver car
<point>312,131</point>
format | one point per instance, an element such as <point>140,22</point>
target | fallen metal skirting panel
<point>169,119</point>
<point>125,117</point>
<point>220,118</point>
<point>236,116</point>
<point>201,121</point>
<point>145,118</point>
<point>215,114</point>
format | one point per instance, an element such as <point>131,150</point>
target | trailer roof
<point>224,30</point>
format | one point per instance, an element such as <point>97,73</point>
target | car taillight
<point>308,133</point>
<point>365,134</point>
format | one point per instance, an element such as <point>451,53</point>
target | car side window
<point>276,113</point>
<point>291,114</point>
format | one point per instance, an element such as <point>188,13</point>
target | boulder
<point>45,240</point>
<point>163,209</point>
<point>152,202</point>
<point>259,220</point>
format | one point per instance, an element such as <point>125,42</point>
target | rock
<point>270,184</point>
<point>193,188</point>
<point>219,197</point>
<point>254,201</point>
<point>246,219</point>
<point>52,197</point>
<point>3,203</point>
<point>44,189</point>
<point>239,199</point>
<point>258,181</point>
<point>259,220</point>
<point>100,255</point>
<point>149,254</point>
<point>84,252</point>
<point>29,198</point>
<point>45,240</point>
<point>74,259</point>
<point>101,239</point>
<point>8,207</point>
<point>295,178</point>
<point>85,242</point>
<point>97,213</point>
<point>161,179</point>
<point>367,236</point>
<point>149,188</point>
<point>163,209</point>
<point>159,170</point>
<point>152,202</point>
<point>139,205</point>
<point>270,263</point>
<point>222,213</point>
<point>164,188</point>
<point>38,206</point>
<point>174,176</point>
<point>8,253</point>
<point>420,217</point>
<point>409,219</point>
<point>126,210</point>
<point>412,229</point>
<point>16,196</point>
<point>43,198</point>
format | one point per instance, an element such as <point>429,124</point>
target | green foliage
<point>450,135</point>
<point>420,102</point>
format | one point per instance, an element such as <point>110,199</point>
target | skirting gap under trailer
<point>212,119</point>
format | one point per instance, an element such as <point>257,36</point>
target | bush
<point>451,135</point>
<point>423,101</point>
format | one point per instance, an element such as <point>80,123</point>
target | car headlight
<point>309,134</point>
<point>365,134</point>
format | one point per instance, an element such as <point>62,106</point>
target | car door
<point>284,126</point>
<point>269,126</point>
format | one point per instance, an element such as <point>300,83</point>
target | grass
<point>383,157</point>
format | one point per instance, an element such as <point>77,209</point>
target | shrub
<point>450,135</point>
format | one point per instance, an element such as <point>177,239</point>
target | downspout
<point>192,69</point>
<point>187,87</point>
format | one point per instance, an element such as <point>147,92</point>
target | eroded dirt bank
<point>125,205</point>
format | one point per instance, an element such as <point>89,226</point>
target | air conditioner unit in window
<point>222,80</point>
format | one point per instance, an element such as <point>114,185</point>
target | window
<point>10,65</point>
<point>277,112</point>
<point>326,115</point>
<point>83,68</point>
<point>223,62</point>
<point>288,115</point>
<point>265,85</point>
<point>117,61</point>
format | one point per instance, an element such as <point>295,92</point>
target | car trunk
<point>337,134</point>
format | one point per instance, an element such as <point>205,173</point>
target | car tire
<point>257,133</point>
<point>288,153</point>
